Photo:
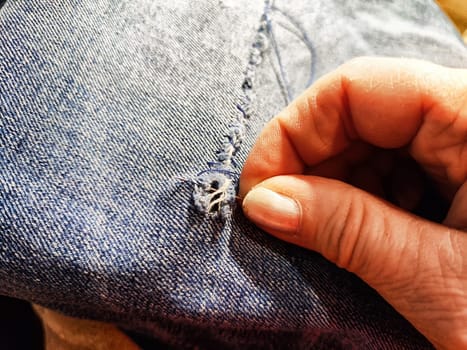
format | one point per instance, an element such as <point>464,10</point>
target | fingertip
<point>272,154</point>
<point>272,211</point>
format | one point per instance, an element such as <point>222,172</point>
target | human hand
<point>321,172</point>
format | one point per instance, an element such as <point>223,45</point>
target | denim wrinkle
<point>104,104</point>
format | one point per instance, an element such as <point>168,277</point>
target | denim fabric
<point>117,183</point>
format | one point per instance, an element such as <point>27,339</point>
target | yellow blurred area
<point>457,11</point>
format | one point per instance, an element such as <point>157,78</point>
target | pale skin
<point>317,177</point>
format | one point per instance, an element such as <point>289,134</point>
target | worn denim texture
<point>112,117</point>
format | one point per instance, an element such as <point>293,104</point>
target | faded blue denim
<point>112,153</point>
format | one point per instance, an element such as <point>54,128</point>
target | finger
<point>384,102</point>
<point>457,215</point>
<point>416,265</point>
<point>341,166</point>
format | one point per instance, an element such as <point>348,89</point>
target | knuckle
<point>348,224</point>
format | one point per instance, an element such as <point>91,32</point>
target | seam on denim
<point>215,188</point>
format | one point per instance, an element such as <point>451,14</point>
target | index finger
<point>381,101</point>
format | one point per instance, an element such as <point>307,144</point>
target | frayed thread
<point>215,189</point>
<point>214,194</point>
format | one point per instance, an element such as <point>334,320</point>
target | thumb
<point>416,265</point>
<point>348,226</point>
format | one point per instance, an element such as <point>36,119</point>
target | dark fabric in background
<point>20,328</point>
<point>112,112</point>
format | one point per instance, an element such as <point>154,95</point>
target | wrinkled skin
<point>352,152</point>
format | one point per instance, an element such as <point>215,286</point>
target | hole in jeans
<point>216,197</point>
<point>215,188</point>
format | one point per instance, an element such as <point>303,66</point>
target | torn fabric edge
<point>215,188</point>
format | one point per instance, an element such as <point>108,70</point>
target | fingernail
<point>271,210</point>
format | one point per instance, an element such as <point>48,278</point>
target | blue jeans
<point>123,129</point>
